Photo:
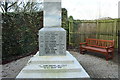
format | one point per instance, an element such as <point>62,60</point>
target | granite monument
<point>52,60</point>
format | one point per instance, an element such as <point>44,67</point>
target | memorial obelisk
<point>52,60</point>
<point>52,38</point>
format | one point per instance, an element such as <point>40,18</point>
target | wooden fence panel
<point>99,29</point>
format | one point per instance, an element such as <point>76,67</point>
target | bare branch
<point>11,5</point>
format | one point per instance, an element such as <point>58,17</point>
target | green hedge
<point>19,33</point>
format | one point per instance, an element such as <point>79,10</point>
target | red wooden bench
<point>105,47</point>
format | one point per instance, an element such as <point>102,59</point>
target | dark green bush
<point>19,33</point>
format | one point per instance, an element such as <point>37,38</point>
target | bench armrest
<point>109,47</point>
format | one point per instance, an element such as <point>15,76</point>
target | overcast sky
<point>91,9</point>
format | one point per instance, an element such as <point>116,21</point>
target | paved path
<point>96,66</point>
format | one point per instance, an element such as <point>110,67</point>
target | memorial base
<point>53,67</point>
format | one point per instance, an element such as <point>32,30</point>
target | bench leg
<point>107,57</point>
<point>85,51</point>
<point>81,51</point>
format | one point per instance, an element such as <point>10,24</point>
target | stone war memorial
<point>52,60</point>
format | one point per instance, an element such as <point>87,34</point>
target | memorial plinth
<point>52,41</point>
<point>52,60</point>
<point>53,67</point>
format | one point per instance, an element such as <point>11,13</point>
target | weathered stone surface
<point>52,38</point>
<point>52,13</point>
<point>54,67</point>
<point>52,41</point>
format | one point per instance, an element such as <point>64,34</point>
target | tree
<point>20,6</point>
<point>6,5</point>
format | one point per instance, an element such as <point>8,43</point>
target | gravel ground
<point>11,70</point>
<point>96,66</point>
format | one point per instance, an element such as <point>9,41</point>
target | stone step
<point>48,68</point>
<point>53,67</point>
<point>51,59</point>
<point>47,76</point>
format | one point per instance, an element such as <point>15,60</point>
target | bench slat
<point>97,49</point>
<point>99,43</point>
<point>103,46</point>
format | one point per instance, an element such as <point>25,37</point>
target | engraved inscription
<point>52,66</point>
<point>53,42</point>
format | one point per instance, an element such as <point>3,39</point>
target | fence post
<point>97,29</point>
<point>118,28</point>
<point>69,30</point>
<point>115,33</point>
